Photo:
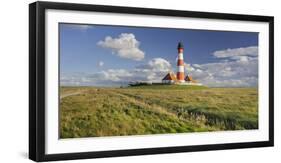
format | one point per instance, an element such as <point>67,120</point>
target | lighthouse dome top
<point>180,45</point>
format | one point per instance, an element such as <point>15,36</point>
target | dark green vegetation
<point>90,111</point>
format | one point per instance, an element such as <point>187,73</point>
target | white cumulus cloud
<point>243,54</point>
<point>240,71</point>
<point>124,46</point>
<point>157,64</point>
<point>152,71</point>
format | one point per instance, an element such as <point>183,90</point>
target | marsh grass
<point>91,112</point>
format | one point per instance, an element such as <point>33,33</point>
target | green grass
<point>155,109</point>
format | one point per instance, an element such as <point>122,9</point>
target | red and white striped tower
<point>180,73</point>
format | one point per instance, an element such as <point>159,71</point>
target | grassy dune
<point>90,111</point>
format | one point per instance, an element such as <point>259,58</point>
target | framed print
<point>111,81</point>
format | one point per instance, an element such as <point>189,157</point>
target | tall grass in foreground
<point>90,112</point>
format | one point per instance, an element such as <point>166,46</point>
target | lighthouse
<point>179,78</point>
<point>180,64</point>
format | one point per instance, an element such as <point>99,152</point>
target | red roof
<point>188,78</point>
<point>170,76</point>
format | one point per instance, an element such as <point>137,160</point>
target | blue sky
<point>114,55</point>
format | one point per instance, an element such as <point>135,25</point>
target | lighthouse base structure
<point>181,81</point>
<point>188,83</point>
<point>171,78</point>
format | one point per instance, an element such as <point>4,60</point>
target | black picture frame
<point>37,80</point>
